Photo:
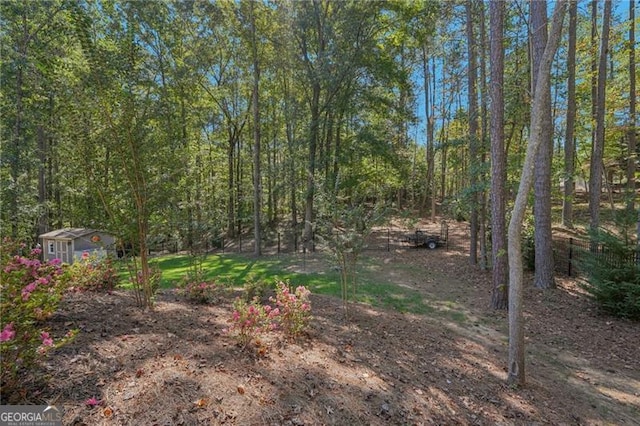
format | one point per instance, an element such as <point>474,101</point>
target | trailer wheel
<point>431,245</point>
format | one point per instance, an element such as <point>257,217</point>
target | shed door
<point>62,251</point>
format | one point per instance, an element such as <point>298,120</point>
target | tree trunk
<point>473,132</point>
<point>596,169</point>
<point>499,297</point>
<point>257,175</point>
<point>542,185</point>
<point>631,133</point>
<point>430,187</point>
<point>311,170</point>
<point>516,365</point>
<point>484,256</point>
<point>569,146</point>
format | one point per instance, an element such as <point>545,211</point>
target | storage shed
<point>69,244</point>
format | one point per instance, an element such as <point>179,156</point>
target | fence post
<point>570,254</point>
<point>388,239</point>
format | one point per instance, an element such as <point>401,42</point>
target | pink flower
<point>46,339</point>
<point>7,333</point>
<point>305,307</point>
<point>85,255</point>
<point>92,402</point>
<point>36,251</point>
<point>236,315</point>
<point>26,292</point>
<point>274,313</point>
<point>55,262</point>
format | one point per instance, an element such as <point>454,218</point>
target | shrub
<point>613,276</point>
<point>255,288</point>
<point>201,291</point>
<point>250,319</point>
<point>93,273</point>
<point>31,291</point>
<point>294,309</point>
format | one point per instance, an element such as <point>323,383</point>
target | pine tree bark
<point>596,169</point>
<point>499,296</point>
<point>569,146</point>
<point>542,186</point>
<point>257,175</point>
<point>516,364</point>
<point>473,132</point>
<point>631,133</point>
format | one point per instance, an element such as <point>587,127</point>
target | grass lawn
<point>236,269</point>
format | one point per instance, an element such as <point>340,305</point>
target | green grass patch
<point>235,269</point>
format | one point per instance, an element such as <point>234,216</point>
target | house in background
<point>69,244</point>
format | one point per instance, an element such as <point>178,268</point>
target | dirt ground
<point>175,366</point>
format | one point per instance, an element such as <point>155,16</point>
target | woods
<point>184,122</point>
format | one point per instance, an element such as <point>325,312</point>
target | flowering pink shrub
<point>291,315</point>
<point>249,320</point>
<point>93,273</point>
<point>31,291</point>
<point>202,291</point>
<point>294,309</point>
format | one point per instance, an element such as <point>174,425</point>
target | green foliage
<point>31,291</point>
<point>528,244</point>
<point>345,226</point>
<point>92,272</point>
<point>255,288</point>
<point>613,275</point>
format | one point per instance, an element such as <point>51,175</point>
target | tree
<point>631,132</point>
<point>596,170</point>
<point>542,186</point>
<point>257,176</point>
<point>499,298</point>
<point>516,365</point>
<point>473,131</point>
<point>569,148</point>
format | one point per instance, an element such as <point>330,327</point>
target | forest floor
<point>175,366</point>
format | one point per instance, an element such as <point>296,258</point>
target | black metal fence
<point>570,253</point>
<point>289,241</point>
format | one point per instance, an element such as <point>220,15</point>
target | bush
<point>255,288</point>
<point>31,291</point>
<point>291,315</point>
<point>613,276</point>
<point>93,273</point>
<point>250,319</point>
<point>294,309</point>
<point>201,291</point>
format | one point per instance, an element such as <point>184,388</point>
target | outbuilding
<point>69,244</point>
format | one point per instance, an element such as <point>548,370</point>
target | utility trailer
<point>422,238</point>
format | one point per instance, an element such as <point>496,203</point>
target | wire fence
<point>569,253</point>
<point>291,241</point>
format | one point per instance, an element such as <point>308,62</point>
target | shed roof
<point>68,233</point>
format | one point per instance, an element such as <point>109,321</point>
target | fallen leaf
<point>202,402</point>
<point>108,412</point>
<point>140,372</point>
<point>241,390</point>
